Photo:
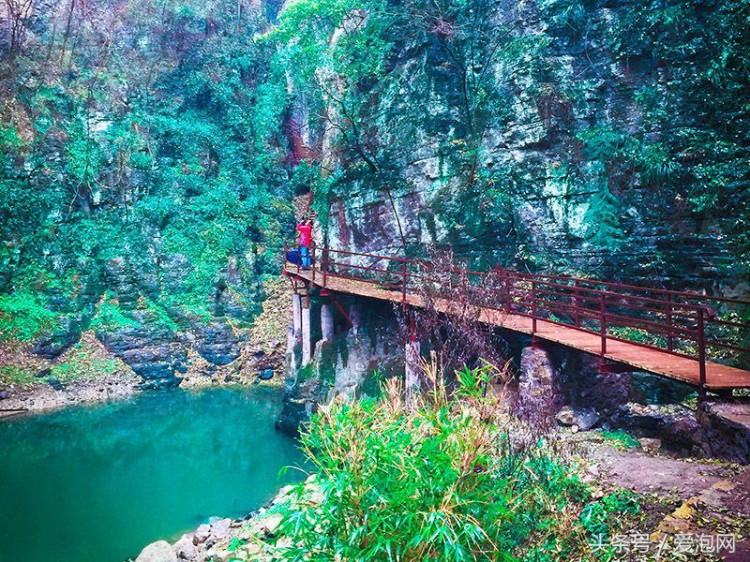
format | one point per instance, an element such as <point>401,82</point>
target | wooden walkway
<point>646,358</point>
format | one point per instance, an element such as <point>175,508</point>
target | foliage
<point>150,151</point>
<point>596,517</point>
<point>704,54</point>
<point>160,316</point>
<point>22,317</point>
<point>640,335</point>
<point>604,227</point>
<point>438,480</point>
<point>110,316</point>
<point>13,375</point>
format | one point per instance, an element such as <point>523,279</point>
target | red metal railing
<point>680,323</point>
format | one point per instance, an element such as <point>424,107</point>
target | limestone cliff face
<point>543,135</point>
<point>548,184</point>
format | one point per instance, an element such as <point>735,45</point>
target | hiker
<point>305,239</point>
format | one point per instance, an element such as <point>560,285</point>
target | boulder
<point>153,352</point>
<point>201,534</point>
<point>727,429</point>
<point>55,384</point>
<point>650,445</point>
<point>217,343</point>
<point>300,403</point>
<point>220,527</point>
<point>271,523</point>
<point>53,345</point>
<point>583,418</point>
<point>185,549</point>
<point>160,551</point>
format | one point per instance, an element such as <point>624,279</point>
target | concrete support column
<point>355,316</point>
<point>297,316</point>
<point>306,335</point>
<point>291,341</point>
<point>326,321</point>
<point>413,369</point>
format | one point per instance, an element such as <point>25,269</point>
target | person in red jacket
<point>305,239</point>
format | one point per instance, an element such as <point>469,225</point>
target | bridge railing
<point>680,323</point>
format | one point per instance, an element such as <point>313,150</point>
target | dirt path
<point>643,473</point>
<point>687,498</point>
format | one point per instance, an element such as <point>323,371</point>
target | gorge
<point>155,158</point>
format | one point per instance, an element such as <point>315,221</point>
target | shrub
<point>110,316</point>
<point>596,516</point>
<point>439,479</point>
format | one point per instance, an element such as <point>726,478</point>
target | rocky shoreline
<point>48,393</point>
<point>85,373</point>
<point>42,397</point>
<point>101,365</point>
<point>226,539</point>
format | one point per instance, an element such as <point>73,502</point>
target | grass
<point>620,439</point>
<point>109,316</point>
<point>159,315</point>
<point>15,376</point>
<point>83,365</point>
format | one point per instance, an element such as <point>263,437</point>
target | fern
<point>602,218</point>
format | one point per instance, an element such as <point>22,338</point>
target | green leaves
<point>596,516</point>
<point>23,317</point>
<point>434,482</point>
<point>161,145</point>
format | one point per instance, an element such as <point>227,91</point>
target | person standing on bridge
<point>304,229</point>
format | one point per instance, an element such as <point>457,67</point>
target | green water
<point>98,483</point>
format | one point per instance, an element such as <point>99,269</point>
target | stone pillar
<point>413,368</point>
<point>326,321</point>
<point>540,397</point>
<point>306,335</point>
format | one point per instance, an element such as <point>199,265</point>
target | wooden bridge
<point>685,336</point>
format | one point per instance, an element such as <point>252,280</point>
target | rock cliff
<point>546,134</point>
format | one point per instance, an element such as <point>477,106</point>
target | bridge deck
<point>662,363</point>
